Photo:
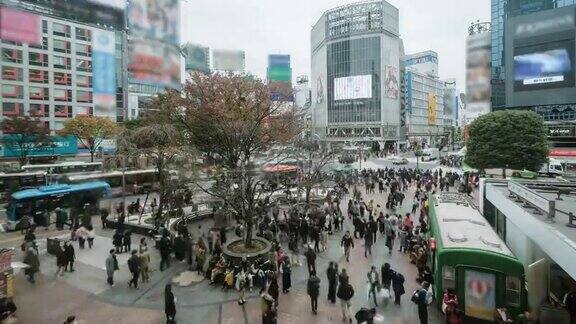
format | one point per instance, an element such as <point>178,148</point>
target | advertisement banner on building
<point>279,60</point>
<point>431,109</point>
<point>155,63</point>
<point>197,58</point>
<point>159,20</point>
<point>61,145</point>
<point>104,73</point>
<point>409,92</point>
<point>480,294</point>
<point>391,87</point>
<point>20,26</point>
<point>353,87</point>
<point>229,60</point>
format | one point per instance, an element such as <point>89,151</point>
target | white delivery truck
<point>552,168</point>
<point>430,154</point>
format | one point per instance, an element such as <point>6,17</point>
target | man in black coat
<point>134,267</point>
<point>311,260</point>
<point>398,285</point>
<point>313,290</point>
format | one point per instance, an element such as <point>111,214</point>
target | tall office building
<point>424,105</point>
<point>61,59</point>
<point>355,78</point>
<point>501,11</point>
<point>279,76</point>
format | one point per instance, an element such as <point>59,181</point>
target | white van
<point>430,154</point>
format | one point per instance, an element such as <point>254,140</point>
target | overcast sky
<point>262,27</point>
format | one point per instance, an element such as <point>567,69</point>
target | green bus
<point>466,255</point>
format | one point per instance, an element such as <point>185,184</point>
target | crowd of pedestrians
<point>354,217</point>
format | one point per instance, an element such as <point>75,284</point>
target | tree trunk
<point>308,190</point>
<point>92,155</point>
<point>162,191</point>
<point>503,173</point>
<point>248,238</point>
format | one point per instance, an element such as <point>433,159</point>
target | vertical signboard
<point>431,109</point>
<point>409,92</point>
<point>20,26</point>
<point>480,295</point>
<point>391,88</point>
<point>104,73</point>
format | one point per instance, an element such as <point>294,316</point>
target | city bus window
<point>448,277</point>
<point>512,290</point>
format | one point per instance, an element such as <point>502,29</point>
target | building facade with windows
<point>52,80</point>
<point>424,105</point>
<point>355,77</point>
<point>52,77</point>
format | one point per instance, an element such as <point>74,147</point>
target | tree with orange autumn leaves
<point>232,119</point>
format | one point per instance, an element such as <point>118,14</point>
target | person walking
<point>347,242</point>
<point>241,283</point>
<point>111,266</point>
<point>90,235</point>
<point>311,260</point>
<point>332,274</point>
<point>274,290</point>
<point>420,298</point>
<point>165,250</point>
<point>373,284</point>
<point>127,241</point>
<point>345,294</point>
<point>117,241</point>
<point>70,256</point>
<point>33,262</point>
<point>398,285</point>
<point>268,308</point>
<point>134,267</point>
<point>387,275</point>
<point>169,304</point>
<point>368,241</point>
<point>61,260</point>
<point>313,289</point>
<point>286,270</point>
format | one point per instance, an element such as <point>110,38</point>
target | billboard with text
<point>158,19</point>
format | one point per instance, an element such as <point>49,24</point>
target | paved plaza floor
<point>84,293</point>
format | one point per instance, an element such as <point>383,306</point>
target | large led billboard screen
<point>353,87</point>
<point>540,60</point>
<point>20,26</point>
<point>228,60</point>
<point>154,63</point>
<point>544,66</point>
<point>159,19</point>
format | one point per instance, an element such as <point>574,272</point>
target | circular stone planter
<point>235,250</point>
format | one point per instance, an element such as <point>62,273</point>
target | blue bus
<point>34,202</point>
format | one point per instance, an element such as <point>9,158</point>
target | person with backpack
<point>421,298</point>
<point>345,294</point>
<point>313,289</point>
<point>387,275</point>
<point>398,286</point>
